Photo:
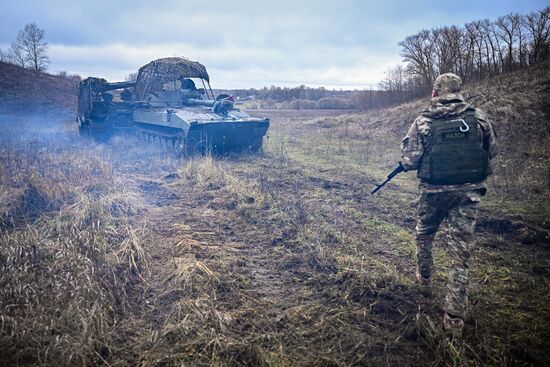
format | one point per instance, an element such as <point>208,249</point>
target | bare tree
<point>132,77</point>
<point>508,26</point>
<point>17,54</point>
<point>30,48</point>
<point>538,27</point>
<point>473,30</point>
<point>447,46</point>
<point>478,49</point>
<point>5,56</point>
<point>499,48</point>
<point>518,20</point>
<point>418,51</point>
<point>394,84</point>
<point>488,35</point>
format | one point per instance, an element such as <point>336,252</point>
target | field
<point>127,254</point>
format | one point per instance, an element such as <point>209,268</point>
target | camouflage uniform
<point>455,203</point>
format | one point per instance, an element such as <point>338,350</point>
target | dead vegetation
<point>28,91</point>
<point>68,254</point>
<point>126,255</point>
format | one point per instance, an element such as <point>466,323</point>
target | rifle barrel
<point>378,187</point>
<point>393,173</point>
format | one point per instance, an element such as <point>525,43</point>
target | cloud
<point>243,43</point>
<point>233,66</point>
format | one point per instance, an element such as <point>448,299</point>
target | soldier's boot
<point>453,325</point>
<point>424,284</point>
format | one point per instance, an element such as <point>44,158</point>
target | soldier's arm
<point>412,148</point>
<point>489,135</point>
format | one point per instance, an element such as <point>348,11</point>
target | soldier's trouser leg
<point>430,217</point>
<point>461,221</point>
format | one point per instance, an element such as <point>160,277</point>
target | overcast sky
<point>337,44</point>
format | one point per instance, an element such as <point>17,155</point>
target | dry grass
<point>67,252</point>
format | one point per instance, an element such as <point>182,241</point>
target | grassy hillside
<point>517,104</point>
<point>126,254</point>
<point>25,90</point>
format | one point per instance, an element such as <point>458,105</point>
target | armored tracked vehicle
<point>164,104</point>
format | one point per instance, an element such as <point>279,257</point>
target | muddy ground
<point>281,258</point>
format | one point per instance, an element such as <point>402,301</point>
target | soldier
<point>450,145</point>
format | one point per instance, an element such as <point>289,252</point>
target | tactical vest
<point>454,153</point>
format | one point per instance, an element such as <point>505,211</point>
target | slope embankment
<point>24,90</point>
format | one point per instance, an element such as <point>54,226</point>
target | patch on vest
<point>453,135</point>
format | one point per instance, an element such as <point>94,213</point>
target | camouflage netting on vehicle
<point>152,76</point>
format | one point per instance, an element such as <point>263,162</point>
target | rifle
<point>397,170</point>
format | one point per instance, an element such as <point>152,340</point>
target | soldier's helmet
<point>447,83</point>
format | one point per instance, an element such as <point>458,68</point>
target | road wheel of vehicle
<point>84,131</point>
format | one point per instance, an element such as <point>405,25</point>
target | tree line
<point>29,50</point>
<point>282,94</point>
<point>477,50</point>
<point>300,98</point>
